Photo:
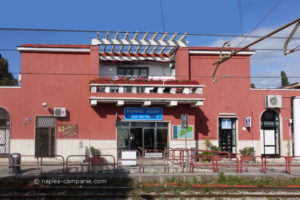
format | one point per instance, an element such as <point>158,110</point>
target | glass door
<point>161,139</point>
<point>149,139</point>
<point>136,139</point>
<point>142,135</point>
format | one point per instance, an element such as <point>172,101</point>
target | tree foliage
<point>252,85</point>
<point>6,78</point>
<point>284,79</point>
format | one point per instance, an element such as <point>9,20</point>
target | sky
<point>234,17</point>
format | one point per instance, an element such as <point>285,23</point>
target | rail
<point>128,158</point>
<point>51,164</point>
<point>187,159</point>
<point>179,156</point>
<point>78,164</point>
<point>101,163</point>
<point>291,162</point>
<point>153,156</point>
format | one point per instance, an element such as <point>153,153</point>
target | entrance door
<point>4,131</point>
<point>149,139</point>
<point>161,139</point>
<point>142,135</point>
<point>45,137</point>
<point>136,139</point>
<point>227,132</point>
<point>270,135</point>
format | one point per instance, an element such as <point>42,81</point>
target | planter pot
<point>96,161</point>
<point>247,158</point>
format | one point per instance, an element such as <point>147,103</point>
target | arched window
<point>4,131</point>
<point>270,133</point>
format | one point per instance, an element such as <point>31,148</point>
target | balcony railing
<point>170,93</point>
<point>123,85</point>
<point>140,88</point>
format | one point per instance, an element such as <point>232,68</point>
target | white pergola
<point>138,46</point>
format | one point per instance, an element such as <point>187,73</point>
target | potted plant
<point>211,151</point>
<point>96,157</point>
<point>248,154</point>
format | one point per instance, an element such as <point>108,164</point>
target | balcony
<point>146,92</point>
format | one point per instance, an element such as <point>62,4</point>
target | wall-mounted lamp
<point>27,121</point>
<point>45,105</point>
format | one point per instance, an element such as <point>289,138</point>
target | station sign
<point>143,114</point>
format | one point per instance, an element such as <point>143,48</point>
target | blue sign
<point>143,114</point>
<point>248,122</point>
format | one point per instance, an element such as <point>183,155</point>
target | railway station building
<point>131,92</point>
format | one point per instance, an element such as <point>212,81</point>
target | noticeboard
<point>67,130</point>
<point>179,133</point>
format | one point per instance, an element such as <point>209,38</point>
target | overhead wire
<point>182,76</point>
<point>162,16</point>
<point>254,49</point>
<point>240,16</point>
<point>260,22</point>
<point>149,32</point>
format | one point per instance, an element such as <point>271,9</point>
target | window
<point>133,72</point>
<point>4,131</point>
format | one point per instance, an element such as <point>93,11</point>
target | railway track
<point>154,192</point>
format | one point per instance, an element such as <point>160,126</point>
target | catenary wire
<point>162,16</point>
<point>261,21</point>
<point>101,31</point>
<point>254,49</point>
<point>193,76</point>
<point>241,16</point>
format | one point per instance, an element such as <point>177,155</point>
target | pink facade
<point>60,76</point>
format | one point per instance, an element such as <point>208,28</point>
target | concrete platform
<point>274,169</point>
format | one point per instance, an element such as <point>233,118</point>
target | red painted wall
<point>62,80</point>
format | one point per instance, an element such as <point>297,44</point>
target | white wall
<point>65,147</point>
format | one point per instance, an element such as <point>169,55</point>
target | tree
<point>6,78</point>
<point>252,85</point>
<point>284,79</point>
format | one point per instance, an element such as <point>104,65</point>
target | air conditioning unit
<point>273,101</point>
<point>60,112</point>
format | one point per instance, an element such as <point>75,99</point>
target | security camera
<point>45,105</point>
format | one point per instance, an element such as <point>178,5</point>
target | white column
<point>296,125</point>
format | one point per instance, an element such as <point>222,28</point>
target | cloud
<point>269,63</point>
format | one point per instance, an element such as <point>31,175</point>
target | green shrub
<point>209,146</point>
<point>248,151</point>
<point>94,152</point>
